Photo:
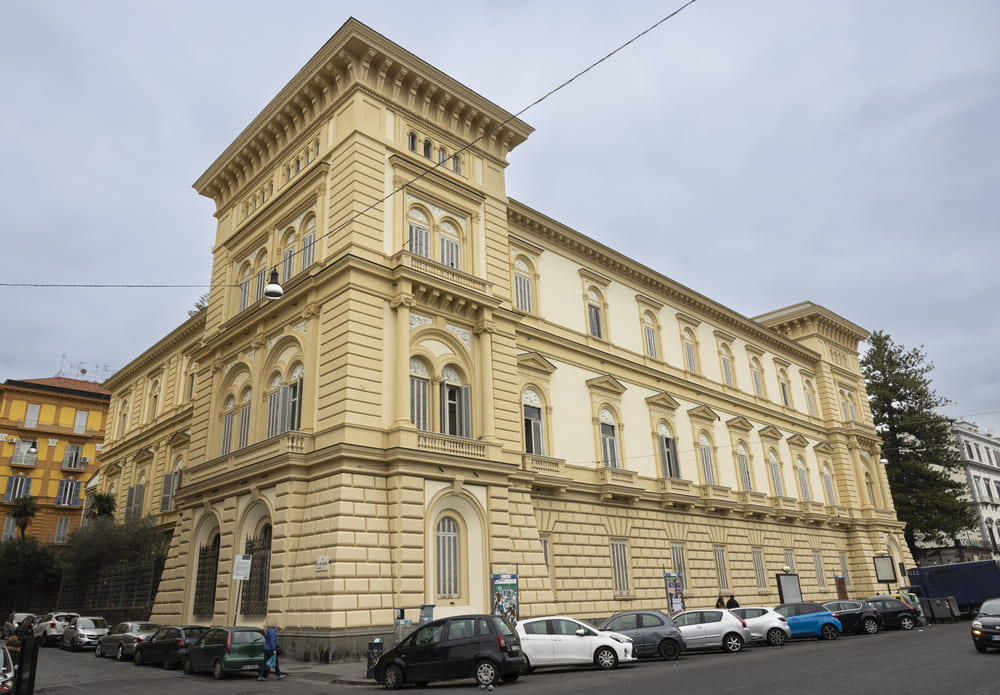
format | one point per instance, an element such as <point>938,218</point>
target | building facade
<point>51,431</point>
<point>455,385</point>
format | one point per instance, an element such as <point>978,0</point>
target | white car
<point>715,628</point>
<point>765,624</point>
<point>49,628</point>
<point>558,640</point>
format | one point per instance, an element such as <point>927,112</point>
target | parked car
<point>121,639</point>
<point>484,647</point>
<point>652,633</point>
<point>895,612</point>
<point>810,620</point>
<point>83,632</point>
<point>49,628</point>
<point>986,626</point>
<point>14,621</point>
<point>558,640</point>
<point>6,670</point>
<point>168,645</point>
<point>226,650</point>
<point>712,629</point>
<point>856,616</point>
<point>765,624</point>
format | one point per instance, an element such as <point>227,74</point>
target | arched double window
<point>775,467</point>
<point>284,402</point>
<point>609,438</point>
<point>534,431</point>
<point>449,583</point>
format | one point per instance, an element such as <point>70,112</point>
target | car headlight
<point>977,624</point>
<point>617,638</point>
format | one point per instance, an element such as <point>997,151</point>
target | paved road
<point>932,661</point>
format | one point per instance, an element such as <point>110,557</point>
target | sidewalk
<point>343,672</point>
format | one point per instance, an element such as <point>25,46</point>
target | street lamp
<point>273,290</point>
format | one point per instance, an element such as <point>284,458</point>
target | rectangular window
<point>456,410</point>
<point>594,316</point>
<point>843,569</point>
<point>619,567</point>
<point>668,457</point>
<point>720,569</point>
<point>71,459</point>
<point>997,483</point>
<point>171,481</point>
<point>68,494</point>
<point>727,371</point>
<point>609,445</point>
<point>80,423</point>
<point>244,436</point>
<point>533,440</point>
<point>522,293</point>
<point>979,489</point>
<point>418,402</point>
<point>21,456</point>
<point>744,464</point>
<point>544,540</point>
<point>62,529</point>
<point>649,333</point>
<point>758,569</point>
<point>450,253</point>
<point>420,241</point>
<point>133,502</point>
<point>227,433</point>
<point>31,417</point>
<point>790,560</point>
<point>9,527</point>
<point>308,246</point>
<point>820,578</point>
<point>244,294</point>
<point>18,486</point>
<point>677,561</point>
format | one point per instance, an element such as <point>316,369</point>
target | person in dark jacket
<point>732,602</point>
<point>270,648</point>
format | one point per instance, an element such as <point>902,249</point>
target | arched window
<point>609,439</point>
<point>154,397</point>
<point>690,354</point>
<point>775,466</point>
<point>411,141</point>
<point>246,400</point>
<point>255,589</point>
<point>803,475</point>
<point>707,460</point>
<point>595,314</point>
<point>726,357</point>
<point>810,396</point>
<point>450,246</point>
<point>288,255</point>
<point>743,463</point>
<point>831,498</point>
<point>261,278</point>
<point>456,404</point>
<point>419,394</point>
<point>427,149</point>
<point>171,481</point>
<point>207,578</point>
<point>448,560</point>
<point>758,377</point>
<point>245,273</point>
<point>420,233</point>
<point>847,405</point>
<point>284,403</point>
<point>523,295</point>
<point>534,435</point>
<point>123,421</point>
<point>870,490</point>
<point>228,415</point>
<point>442,156</point>
<point>786,394</point>
<point>308,243</point>
<point>649,340</point>
<point>667,445</point>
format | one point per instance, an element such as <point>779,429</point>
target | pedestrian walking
<point>270,655</point>
<point>732,602</point>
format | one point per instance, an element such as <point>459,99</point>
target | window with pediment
<point>726,361</point>
<point>667,446</point>
<point>534,431</point>
<point>774,465</point>
<point>743,464</point>
<point>609,439</point>
<point>803,476</point>
<point>706,453</point>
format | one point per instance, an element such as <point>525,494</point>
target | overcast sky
<point>761,153</point>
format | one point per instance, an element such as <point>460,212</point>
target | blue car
<point>810,620</point>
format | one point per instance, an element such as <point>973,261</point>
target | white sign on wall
<point>241,568</point>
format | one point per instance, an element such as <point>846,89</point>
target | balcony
<point>814,512</point>
<point>405,259</point>
<point>287,443</point>
<point>51,427</point>
<point>716,498</point>
<point>617,484</point>
<point>785,507</point>
<point>543,465</point>
<point>453,446</point>
<point>675,492</point>
<point>753,503</point>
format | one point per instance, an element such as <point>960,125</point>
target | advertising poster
<point>505,596</point>
<point>675,592</point>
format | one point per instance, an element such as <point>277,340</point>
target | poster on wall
<point>505,596</point>
<point>675,592</point>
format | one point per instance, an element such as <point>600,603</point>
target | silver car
<point>83,632</point>
<point>121,639</point>
<point>765,624</point>
<point>715,628</point>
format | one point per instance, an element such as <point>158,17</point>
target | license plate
<point>249,667</point>
<point>995,638</point>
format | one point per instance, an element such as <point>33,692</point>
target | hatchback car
<point>49,628</point>
<point>713,629</point>
<point>986,626</point>
<point>765,624</point>
<point>121,639</point>
<point>83,632</point>
<point>484,647</point>
<point>856,616</point>
<point>652,633</point>
<point>168,645</point>
<point>558,640</point>
<point>810,620</point>
<point>895,612</point>
<point>226,650</point>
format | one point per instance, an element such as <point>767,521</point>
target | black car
<point>484,647</point>
<point>168,645</point>
<point>986,626</point>
<point>895,613</point>
<point>652,633</point>
<point>856,616</point>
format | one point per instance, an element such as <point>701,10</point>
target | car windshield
<point>502,626</point>
<point>990,608</point>
<point>147,627</point>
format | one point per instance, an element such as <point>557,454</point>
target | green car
<point>225,650</point>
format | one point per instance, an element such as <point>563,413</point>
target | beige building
<point>454,385</point>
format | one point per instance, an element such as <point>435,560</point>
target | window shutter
<point>272,413</point>
<point>420,241</point>
<point>10,489</point>
<point>449,252</point>
<point>465,412</point>
<point>538,444</point>
<point>167,493</point>
<point>244,426</point>
<point>129,496</point>
<point>76,493</point>
<point>26,488</point>
<point>61,493</point>
<point>443,406</point>
<point>284,408</point>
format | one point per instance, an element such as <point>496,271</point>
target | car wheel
<point>120,653</point>
<point>732,643</point>
<point>776,637</point>
<point>906,622</point>
<point>870,625</point>
<point>486,673</point>
<point>669,649</point>
<point>605,658</point>
<point>137,657</point>
<point>511,677</point>
<point>392,679</point>
<point>218,673</point>
<point>528,668</point>
<point>829,631</point>
<point>97,651</point>
<point>168,663</point>
<point>980,648</point>
<point>187,665</point>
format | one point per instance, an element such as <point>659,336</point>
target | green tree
<point>102,540</point>
<point>27,566</point>
<point>24,510</point>
<point>917,443</point>
<point>102,504</point>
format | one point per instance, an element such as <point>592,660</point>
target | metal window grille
<point>679,565</point>
<point>447,559</point>
<point>208,567</point>
<point>619,567</point>
<point>255,588</point>
<point>720,569</point>
<point>818,561</point>
<point>758,568</point>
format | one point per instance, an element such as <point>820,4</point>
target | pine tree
<point>917,443</point>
